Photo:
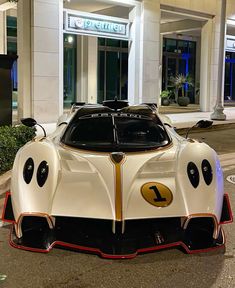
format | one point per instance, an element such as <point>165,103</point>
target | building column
<point>206,83</point>
<point>40,43</point>
<point>3,33</point>
<point>24,60</point>
<point>134,56</point>
<point>220,34</point>
<point>87,62</point>
<point>149,51</point>
<point>82,67</point>
<point>92,69</point>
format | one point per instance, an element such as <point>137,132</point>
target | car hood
<point>94,185</point>
<point>117,186</point>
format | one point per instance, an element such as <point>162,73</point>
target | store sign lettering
<point>98,25</point>
<point>101,27</point>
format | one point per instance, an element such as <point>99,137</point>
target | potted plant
<point>180,81</point>
<point>165,98</point>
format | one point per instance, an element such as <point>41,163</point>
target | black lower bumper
<point>125,241</point>
<point>96,235</point>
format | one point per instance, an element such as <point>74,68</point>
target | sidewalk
<point>186,120</point>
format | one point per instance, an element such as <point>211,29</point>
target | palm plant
<point>180,81</point>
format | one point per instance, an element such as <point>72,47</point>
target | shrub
<point>11,140</point>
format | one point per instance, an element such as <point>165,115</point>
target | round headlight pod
<point>42,173</point>
<point>28,170</point>
<point>207,171</point>
<point>193,174</point>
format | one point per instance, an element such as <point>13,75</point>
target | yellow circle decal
<point>157,194</point>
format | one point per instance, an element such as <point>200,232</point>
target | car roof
<point>145,109</point>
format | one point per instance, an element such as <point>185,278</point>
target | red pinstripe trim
<point>108,256</point>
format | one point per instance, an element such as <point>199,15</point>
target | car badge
<point>117,157</point>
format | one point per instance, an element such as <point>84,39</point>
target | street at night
<point>94,98</point>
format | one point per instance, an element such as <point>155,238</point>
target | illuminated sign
<point>97,25</point>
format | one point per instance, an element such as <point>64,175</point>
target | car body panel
<point>118,202</point>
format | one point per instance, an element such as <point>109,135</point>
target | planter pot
<point>165,101</point>
<point>183,101</point>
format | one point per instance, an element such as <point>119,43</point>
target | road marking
<point>231,179</point>
<point>3,277</point>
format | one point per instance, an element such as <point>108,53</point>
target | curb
<point>5,180</point>
<point>216,126</point>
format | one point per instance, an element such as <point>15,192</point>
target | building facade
<point>59,63</point>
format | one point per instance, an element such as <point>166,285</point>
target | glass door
<point>179,57</point>
<point>112,69</point>
<point>112,75</point>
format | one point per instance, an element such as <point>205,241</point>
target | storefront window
<point>12,49</point>
<point>192,47</point>
<point>171,45</point>
<point>70,52</point>
<point>113,42</point>
<point>182,47</point>
<point>179,57</point>
<point>11,26</point>
<point>229,87</point>
<point>112,69</point>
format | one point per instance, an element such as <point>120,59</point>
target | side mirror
<point>30,122</point>
<point>204,124</point>
<point>200,124</point>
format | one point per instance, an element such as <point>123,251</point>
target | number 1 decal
<point>157,194</point>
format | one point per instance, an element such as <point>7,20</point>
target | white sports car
<point>115,180</point>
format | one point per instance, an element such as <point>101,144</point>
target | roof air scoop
<point>116,104</point>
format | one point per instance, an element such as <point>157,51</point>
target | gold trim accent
<point>65,146</point>
<point>159,149</point>
<point>50,221</point>
<point>38,139</point>
<point>118,194</point>
<point>118,188</point>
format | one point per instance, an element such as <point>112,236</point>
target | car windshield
<point>110,132</point>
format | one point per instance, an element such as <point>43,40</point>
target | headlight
<point>207,171</point>
<point>42,173</point>
<point>28,170</point>
<point>193,174</point>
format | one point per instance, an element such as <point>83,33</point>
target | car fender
<point>205,198</point>
<point>30,197</point>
